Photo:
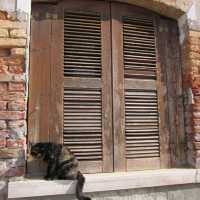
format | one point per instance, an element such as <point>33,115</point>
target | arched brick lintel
<point>170,8</point>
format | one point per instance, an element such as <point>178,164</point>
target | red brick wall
<point>12,96</point>
<point>191,77</point>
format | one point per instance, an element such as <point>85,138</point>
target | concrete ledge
<point>105,182</point>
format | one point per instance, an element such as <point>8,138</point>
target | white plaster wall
<point>194,12</point>
<point>23,5</point>
<point>16,5</point>
<point>8,5</point>
<point>198,9</point>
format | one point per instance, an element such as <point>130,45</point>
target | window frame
<point>169,158</point>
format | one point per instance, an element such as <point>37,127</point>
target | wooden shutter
<point>79,99</point>
<point>137,124</point>
<point>46,75</point>
<point>46,80</point>
<point>171,75</point>
<point>39,84</point>
<point>87,84</point>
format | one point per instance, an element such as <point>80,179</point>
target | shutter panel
<point>45,85</point>
<point>170,65</point>
<point>136,115</point>
<point>87,84</point>
<point>39,84</point>
<point>46,76</point>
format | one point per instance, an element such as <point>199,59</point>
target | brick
<point>12,96</point>
<point>16,123</point>
<point>196,122</point>
<point>11,143</point>
<point>13,16</point>
<point>12,42</point>
<point>16,87</point>
<point>192,41</point>
<point>197,137</point>
<point>194,47</point>
<point>197,100</point>
<point>2,142</point>
<point>15,162</point>
<point>18,33</point>
<point>195,34</point>
<point>12,25</point>
<point>3,105</point>
<point>3,87</point>
<point>195,55</point>
<point>19,78</point>
<point>3,124</point>
<point>15,61</point>
<point>197,145</point>
<point>196,128</point>
<point>15,171</point>
<point>16,69</point>
<point>12,115</point>
<point>3,69</point>
<point>17,133</point>
<point>18,52</point>
<point>12,77</point>
<point>6,77</point>
<point>196,108</point>
<point>4,133</point>
<point>12,61</point>
<point>4,52</point>
<point>16,106</point>
<point>6,153</point>
<point>3,61</point>
<point>4,33</point>
<point>3,15</point>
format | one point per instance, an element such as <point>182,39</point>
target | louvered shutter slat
<point>145,131</point>
<point>136,120</point>
<point>85,71</point>
<point>74,58</point>
<point>137,63</point>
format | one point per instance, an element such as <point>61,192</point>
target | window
<point>106,81</point>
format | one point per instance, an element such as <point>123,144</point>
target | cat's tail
<point>79,187</point>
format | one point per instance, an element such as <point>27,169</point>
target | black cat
<point>61,164</point>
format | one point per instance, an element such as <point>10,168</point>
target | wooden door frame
<point>164,140</point>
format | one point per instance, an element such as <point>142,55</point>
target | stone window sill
<point>105,182</point>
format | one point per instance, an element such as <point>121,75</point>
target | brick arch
<point>170,8</point>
